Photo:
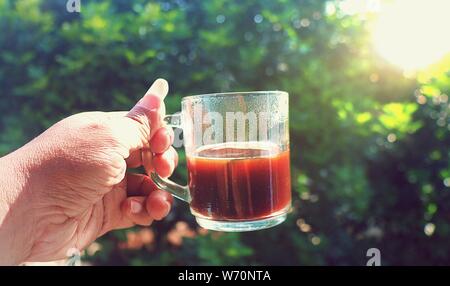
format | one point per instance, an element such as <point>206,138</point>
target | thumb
<point>152,101</point>
<point>142,121</point>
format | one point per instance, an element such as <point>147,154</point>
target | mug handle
<point>178,191</point>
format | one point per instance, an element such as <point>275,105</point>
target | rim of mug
<point>231,93</point>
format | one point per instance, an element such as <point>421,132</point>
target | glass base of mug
<point>241,226</point>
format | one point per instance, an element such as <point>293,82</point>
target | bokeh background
<point>369,125</point>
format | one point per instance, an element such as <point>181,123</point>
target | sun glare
<point>413,33</point>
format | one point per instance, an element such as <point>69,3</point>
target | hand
<point>74,184</point>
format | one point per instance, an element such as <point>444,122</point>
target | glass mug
<point>237,151</point>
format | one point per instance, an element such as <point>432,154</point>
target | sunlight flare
<point>413,34</point>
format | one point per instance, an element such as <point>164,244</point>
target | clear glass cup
<point>237,150</point>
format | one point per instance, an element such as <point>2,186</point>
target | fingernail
<point>166,211</point>
<point>160,87</point>
<point>167,207</point>
<point>135,207</point>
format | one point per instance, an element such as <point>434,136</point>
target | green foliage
<point>369,147</point>
<point>220,249</point>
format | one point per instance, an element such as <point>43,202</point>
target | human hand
<point>75,184</point>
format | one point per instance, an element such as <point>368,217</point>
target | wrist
<point>17,185</point>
